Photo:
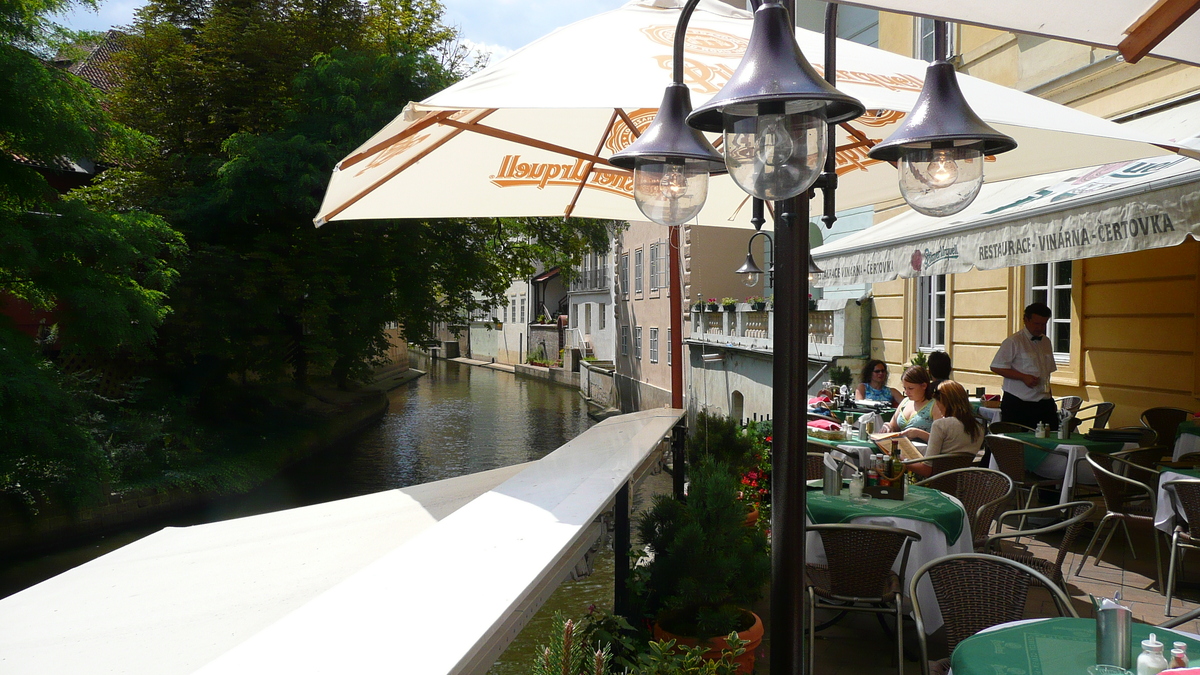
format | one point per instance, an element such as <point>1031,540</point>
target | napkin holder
<point>1113,634</point>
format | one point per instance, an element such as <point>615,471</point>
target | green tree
<point>254,103</point>
<point>104,273</point>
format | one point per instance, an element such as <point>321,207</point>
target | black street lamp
<point>941,144</point>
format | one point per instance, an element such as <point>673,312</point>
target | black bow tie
<point>1037,337</point>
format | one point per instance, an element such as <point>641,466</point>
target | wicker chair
<point>814,462</point>
<point>859,575</point>
<point>1101,412</point>
<point>1009,455</point>
<point>981,492</point>
<point>1165,422</point>
<point>1007,428</point>
<point>1187,504</point>
<point>1074,513</point>
<point>1126,501</point>
<point>946,462</point>
<point>1149,436</point>
<point>1070,403</point>
<point>1146,459</point>
<point>976,591</point>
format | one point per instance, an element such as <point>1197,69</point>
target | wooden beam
<point>591,165</point>
<point>1155,25</point>
<point>524,140</point>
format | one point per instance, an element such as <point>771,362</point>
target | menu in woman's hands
<point>907,449</point>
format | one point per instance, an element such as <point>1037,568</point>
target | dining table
<point>987,413</point>
<point>1187,439</point>
<point>938,518</point>
<point>1168,512</point>
<point>1056,646</point>
<point>1066,466</point>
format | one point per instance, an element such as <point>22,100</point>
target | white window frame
<point>654,267</point>
<point>929,318</point>
<point>923,26</point>
<point>653,345</point>
<point>637,271</point>
<point>521,303</point>
<point>600,315</point>
<point>624,274</point>
<point>637,343</point>
<point>1059,328</point>
<point>670,347</point>
<point>624,340</point>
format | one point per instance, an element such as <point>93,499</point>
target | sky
<point>495,26</point>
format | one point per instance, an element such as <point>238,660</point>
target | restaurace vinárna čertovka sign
<point>1116,208</point>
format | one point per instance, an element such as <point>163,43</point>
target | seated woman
<point>874,385</point>
<point>914,416</point>
<point>955,429</point>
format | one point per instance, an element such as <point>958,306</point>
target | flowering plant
<point>756,481</point>
<point>712,301</point>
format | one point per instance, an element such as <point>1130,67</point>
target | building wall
<point>1134,333</point>
<point>642,381</point>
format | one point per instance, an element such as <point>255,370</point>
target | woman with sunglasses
<point>874,385</point>
<point>955,429</point>
<point>914,416</point>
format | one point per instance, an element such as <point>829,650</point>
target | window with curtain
<point>1050,284</point>
<point>931,312</point>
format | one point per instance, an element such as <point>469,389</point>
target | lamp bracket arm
<point>677,47</point>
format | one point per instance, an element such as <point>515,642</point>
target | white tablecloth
<point>1058,467</point>
<point>932,545</point>
<point>1164,517</point>
<point>1185,444</point>
<point>989,414</point>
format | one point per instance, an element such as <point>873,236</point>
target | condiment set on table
<point>1114,655</point>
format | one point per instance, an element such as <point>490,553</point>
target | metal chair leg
<point>1129,540</point>
<point>899,637</point>
<point>812,630</point>
<point>1157,557</point>
<point>1171,574</point>
<point>1088,550</point>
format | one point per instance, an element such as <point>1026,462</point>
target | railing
<point>748,328</point>
<point>591,280</point>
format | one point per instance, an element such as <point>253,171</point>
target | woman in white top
<point>954,429</point>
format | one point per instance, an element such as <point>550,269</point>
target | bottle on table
<point>1151,660</point>
<point>1179,657</point>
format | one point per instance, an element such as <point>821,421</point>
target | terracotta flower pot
<point>752,516</point>
<point>753,636</point>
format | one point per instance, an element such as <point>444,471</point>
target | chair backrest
<point>1100,414</point>
<point>814,462</point>
<point>1009,454</point>
<point>1118,491</point>
<point>1070,403</point>
<point>1007,428</point>
<point>981,492</point>
<point>861,556</point>
<point>1148,437</point>
<point>975,591</point>
<point>1187,496</point>
<point>1165,421</point>
<point>949,461</point>
<point>1074,517</point>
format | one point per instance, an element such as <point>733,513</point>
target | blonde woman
<point>955,429</point>
<point>914,417</point>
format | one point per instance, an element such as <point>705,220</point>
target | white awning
<point>1067,215</point>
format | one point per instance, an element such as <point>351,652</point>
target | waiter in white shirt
<point>1025,361</point>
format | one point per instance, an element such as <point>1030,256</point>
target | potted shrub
<point>729,304</point>
<point>712,305</point>
<point>707,566</point>
<point>757,303</point>
<point>698,307</point>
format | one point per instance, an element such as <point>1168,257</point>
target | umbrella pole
<point>790,400</point>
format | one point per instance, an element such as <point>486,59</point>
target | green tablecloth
<point>921,503</point>
<point>1034,459</point>
<point>1050,647</point>
<point>1188,427</point>
<point>834,444</point>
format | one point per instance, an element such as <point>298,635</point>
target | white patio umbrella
<point>1162,28</point>
<point>530,135</point>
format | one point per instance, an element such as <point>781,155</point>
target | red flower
<point>767,439</point>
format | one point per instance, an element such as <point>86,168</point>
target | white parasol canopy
<point>1162,28</point>
<point>1105,210</point>
<point>530,135</point>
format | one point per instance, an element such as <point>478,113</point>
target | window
<point>637,343</point>
<point>654,267</point>
<point>931,312</point>
<point>637,271</point>
<point>600,315</point>
<point>670,346</point>
<point>574,316</point>
<point>924,47</point>
<point>1050,283</point>
<point>624,280</point>
<point>522,301</point>
<point>653,345</point>
<point>624,340</point>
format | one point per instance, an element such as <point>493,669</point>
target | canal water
<point>455,420</point>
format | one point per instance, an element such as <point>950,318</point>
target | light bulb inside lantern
<point>940,181</point>
<point>775,151</point>
<point>669,191</point>
<point>751,279</point>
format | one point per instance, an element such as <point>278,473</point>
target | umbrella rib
<point>1155,25</point>
<point>588,171</point>
<point>393,173</point>
<point>420,124</point>
<point>859,136</point>
<point>524,140</point>
<point>628,122</point>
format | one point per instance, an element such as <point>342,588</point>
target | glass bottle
<point>1179,655</point>
<point>1151,660</point>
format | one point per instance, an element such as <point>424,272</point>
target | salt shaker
<point>856,484</point>
<point>1151,660</point>
<point>1179,657</point>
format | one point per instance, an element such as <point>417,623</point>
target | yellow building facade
<point>1129,334</point>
